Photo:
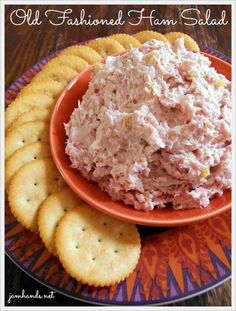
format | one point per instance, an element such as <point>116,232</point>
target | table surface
<point>26,44</point>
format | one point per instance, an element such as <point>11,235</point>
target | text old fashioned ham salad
<point>153,128</point>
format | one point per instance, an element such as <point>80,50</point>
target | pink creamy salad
<point>153,128</point>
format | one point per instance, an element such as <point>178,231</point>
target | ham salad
<point>153,128</point>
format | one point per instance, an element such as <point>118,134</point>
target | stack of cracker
<point>92,247</point>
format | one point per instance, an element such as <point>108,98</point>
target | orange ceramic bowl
<point>90,192</point>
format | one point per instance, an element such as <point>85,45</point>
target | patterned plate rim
<point>96,302</point>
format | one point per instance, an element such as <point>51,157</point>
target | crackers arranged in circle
<point>95,248</point>
<point>60,73</point>
<point>25,134</point>
<point>35,114</point>
<point>106,46</point>
<point>85,52</point>
<point>26,103</point>
<point>51,211</point>
<point>24,155</point>
<point>29,187</point>
<point>126,41</point>
<point>50,88</point>
<point>189,43</point>
<point>146,35</point>
<point>71,61</point>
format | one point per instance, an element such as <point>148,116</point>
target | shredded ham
<point>153,128</point>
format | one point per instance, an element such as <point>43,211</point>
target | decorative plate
<point>175,263</point>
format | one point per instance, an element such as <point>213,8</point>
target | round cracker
<point>146,35</point>
<point>126,41</point>
<point>106,46</point>
<point>26,103</point>
<point>95,248</point>
<point>85,52</point>
<point>24,155</point>
<point>51,211</point>
<point>50,88</point>
<point>189,43</point>
<point>25,134</point>
<point>29,187</point>
<point>35,114</point>
<point>71,61</point>
<point>61,74</point>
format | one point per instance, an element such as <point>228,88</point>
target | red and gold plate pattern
<point>175,263</point>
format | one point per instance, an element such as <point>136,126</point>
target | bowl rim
<point>119,214</point>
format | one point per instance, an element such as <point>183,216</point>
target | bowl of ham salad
<point>146,135</point>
